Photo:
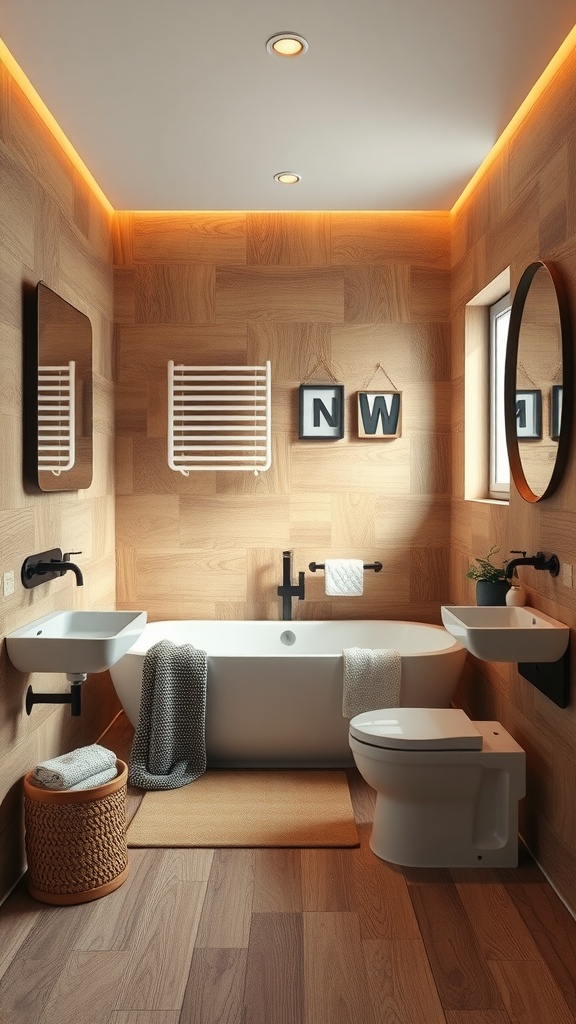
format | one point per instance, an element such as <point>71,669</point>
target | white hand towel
<point>344,577</point>
<point>69,769</point>
<point>372,680</point>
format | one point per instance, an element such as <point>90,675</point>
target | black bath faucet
<point>538,561</point>
<point>288,590</point>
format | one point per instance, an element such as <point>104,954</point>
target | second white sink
<point>74,642</point>
<point>499,633</point>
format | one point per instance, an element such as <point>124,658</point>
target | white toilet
<point>448,788</point>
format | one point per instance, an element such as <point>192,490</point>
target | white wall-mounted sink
<point>499,633</point>
<point>74,642</point>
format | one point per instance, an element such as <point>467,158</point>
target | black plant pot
<point>488,592</point>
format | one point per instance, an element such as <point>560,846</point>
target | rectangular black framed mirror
<point>58,394</point>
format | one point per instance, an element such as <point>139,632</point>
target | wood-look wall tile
<point>430,462</point>
<point>122,254</point>
<point>353,516</point>
<point>131,411</point>
<point>429,295</point>
<point>548,121</point>
<point>376,294</point>
<point>279,293</point>
<point>420,239</point>
<point>288,239</point>
<point>17,195</point>
<point>177,293</point>
<point>189,237</point>
<point>403,522</point>
<point>144,351</point>
<point>152,475</point>
<point>553,198</point>
<point>124,295</point>
<point>222,520</point>
<point>429,574</point>
<point>38,154</point>
<point>310,519</point>
<point>336,468</point>
<point>170,576</point>
<point>294,349</point>
<point>142,521</point>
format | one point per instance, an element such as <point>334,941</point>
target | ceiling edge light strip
<point>287,44</point>
<point>41,109</point>
<point>533,96</point>
<point>287,178</point>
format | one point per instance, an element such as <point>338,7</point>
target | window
<point>499,485</point>
<point>486,471</point>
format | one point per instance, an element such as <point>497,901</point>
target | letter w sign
<point>379,414</point>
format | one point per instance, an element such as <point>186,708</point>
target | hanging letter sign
<point>379,414</point>
<point>322,411</point>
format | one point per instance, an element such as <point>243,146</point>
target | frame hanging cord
<point>388,377</point>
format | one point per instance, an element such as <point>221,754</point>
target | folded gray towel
<point>68,770</point>
<point>97,780</point>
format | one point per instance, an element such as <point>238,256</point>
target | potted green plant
<point>491,583</point>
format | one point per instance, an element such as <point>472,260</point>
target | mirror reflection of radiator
<point>56,416</point>
<point>219,418</point>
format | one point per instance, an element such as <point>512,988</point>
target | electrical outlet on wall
<point>567,574</point>
<point>8,583</point>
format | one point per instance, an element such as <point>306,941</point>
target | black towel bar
<point>376,566</point>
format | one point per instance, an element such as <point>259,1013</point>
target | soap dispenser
<point>516,596</point>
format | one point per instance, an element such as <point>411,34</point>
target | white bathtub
<point>275,688</point>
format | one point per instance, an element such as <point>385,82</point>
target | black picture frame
<point>529,415</point>
<point>556,411</point>
<point>321,412</point>
<point>379,415</point>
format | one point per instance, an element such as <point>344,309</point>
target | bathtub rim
<point>141,647</point>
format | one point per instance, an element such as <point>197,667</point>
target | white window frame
<point>499,317</point>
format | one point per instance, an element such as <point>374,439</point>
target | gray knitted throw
<point>169,748</point>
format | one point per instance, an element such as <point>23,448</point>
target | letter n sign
<point>379,414</point>
<point>322,411</point>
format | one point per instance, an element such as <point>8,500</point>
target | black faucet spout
<point>288,590</point>
<point>61,567</point>
<point>537,561</point>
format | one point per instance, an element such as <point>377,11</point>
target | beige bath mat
<point>249,808</point>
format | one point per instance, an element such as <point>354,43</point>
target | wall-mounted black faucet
<point>537,561</point>
<point>47,565</point>
<point>288,590</point>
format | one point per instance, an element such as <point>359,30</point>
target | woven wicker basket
<point>76,840</point>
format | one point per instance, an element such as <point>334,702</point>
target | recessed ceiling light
<point>287,44</point>
<point>287,177</point>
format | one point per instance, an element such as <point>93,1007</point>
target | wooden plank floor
<point>292,937</point>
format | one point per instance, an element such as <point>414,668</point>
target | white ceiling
<point>177,105</point>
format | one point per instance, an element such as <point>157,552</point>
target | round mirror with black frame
<point>538,382</point>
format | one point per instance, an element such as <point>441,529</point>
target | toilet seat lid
<point>417,729</point>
